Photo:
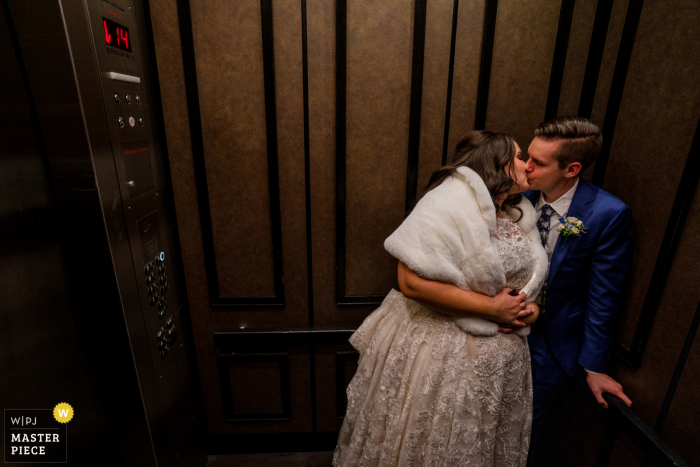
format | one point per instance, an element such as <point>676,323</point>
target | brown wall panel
<point>607,67</point>
<point>522,61</point>
<point>470,21</point>
<point>576,57</point>
<point>321,50</point>
<point>658,116</point>
<point>436,70</point>
<point>379,44</point>
<point>676,310</point>
<point>299,384</point>
<point>228,50</point>
<point>290,143</point>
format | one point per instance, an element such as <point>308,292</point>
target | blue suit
<point>585,291</point>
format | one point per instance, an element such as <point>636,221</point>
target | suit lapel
<point>533,196</point>
<point>581,207</point>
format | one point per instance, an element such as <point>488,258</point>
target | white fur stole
<point>447,238</point>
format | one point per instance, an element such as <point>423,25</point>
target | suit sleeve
<point>607,283</point>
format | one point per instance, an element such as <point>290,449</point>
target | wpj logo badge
<point>37,435</point>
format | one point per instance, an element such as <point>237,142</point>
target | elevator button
<point>161,304</point>
<point>141,122</point>
<point>154,300</point>
<point>170,323</point>
<point>132,122</point>
<point>138,99</point>
<point>163,288</point>
<point>131,183</point>
<point>121,122</point>
<point>160,257</point>
<point>151,291</point>
<point>116,98</point>
<point>148,268</point>
<point>161,269</point>
<point>163,279</point>
<point>128,98</point>
<point>149,279</point>
<point>161,314</point>
<point>161,333</point>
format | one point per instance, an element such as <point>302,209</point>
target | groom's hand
<point>604,383</point>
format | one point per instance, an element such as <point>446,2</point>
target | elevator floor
<point>287,459</point>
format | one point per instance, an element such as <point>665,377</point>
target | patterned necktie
<point>543,226</point>
<point>543,223</point>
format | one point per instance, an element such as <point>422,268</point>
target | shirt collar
<point>560,206</point>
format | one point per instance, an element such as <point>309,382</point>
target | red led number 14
<point>123,35</point>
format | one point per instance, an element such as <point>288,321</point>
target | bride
<point>436,383</point>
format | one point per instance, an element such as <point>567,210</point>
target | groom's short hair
<point>581,139</point>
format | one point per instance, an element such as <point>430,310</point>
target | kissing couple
<point>512,275</point>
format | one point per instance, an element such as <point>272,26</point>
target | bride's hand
<point>511,310</point>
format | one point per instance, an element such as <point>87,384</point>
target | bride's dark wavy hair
<point>488,154</point>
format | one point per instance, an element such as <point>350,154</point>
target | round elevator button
<point>132,122</point>
<point>141,122</point>
<point>138,99</point>
<point>121,122</point>
<point>116,98</point>
<point>128,98</point>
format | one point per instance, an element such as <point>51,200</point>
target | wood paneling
<point>379,39</point>
<point>662,103</point>
<point>229,54</point>
<point>522,60</point>
<point>435,76</point>
<point>290,142</point>
<point>470,20</point>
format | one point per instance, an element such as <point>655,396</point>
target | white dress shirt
<point>561,208</point>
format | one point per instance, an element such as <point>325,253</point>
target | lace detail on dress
<point>515,251</point>
<point>427,393</point>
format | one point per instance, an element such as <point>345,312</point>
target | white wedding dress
<point>426,393</point>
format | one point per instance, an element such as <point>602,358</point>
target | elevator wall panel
<point>229,52</point>
<point>522,59</point>
<point>377,115</point>
<point>470,24</point>
<point>658,116</point>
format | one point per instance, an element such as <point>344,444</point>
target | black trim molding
<point>561,45</point>
<point>282,337</point>
<point>200,172</point>
<point>450,78</point>
<point>489,33</point>
<point>416,102</point>
<point>595,57</point>
<point>624,54</point>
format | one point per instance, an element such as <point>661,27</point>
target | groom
<point>584,291</point>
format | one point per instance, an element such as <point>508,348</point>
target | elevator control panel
<point>116,28</point>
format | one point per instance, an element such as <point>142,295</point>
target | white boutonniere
<point>570,226</point>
